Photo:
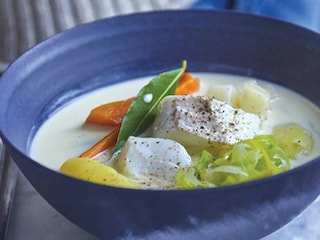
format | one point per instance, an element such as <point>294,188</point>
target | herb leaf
<point>144,108</point>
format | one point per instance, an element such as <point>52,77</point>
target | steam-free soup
<point>65,135</point>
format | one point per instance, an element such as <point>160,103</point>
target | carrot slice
<point>104,144</point>
<point>187,84</point>
<point>110,114</point>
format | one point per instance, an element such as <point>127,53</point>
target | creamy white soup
<point>65,135</point>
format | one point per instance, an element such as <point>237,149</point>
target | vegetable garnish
<point>244,161</point>
<point>143,109</point>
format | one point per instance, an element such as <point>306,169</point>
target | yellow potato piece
<point>255,99</point>
<point>94,171</point>
<point>293,139</point>
<point>226,93</point>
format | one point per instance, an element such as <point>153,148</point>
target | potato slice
<point>255,99</point>
<point>226,93</point>
<point>293,139</point>
<point>94,171</point>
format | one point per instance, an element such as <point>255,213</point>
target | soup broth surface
<point>65,135</point>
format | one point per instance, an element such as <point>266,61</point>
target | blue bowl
<point>118,49</point>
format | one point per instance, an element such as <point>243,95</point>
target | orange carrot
<point>110,114</point>
<point>104,144</point>
<point>187,84</point>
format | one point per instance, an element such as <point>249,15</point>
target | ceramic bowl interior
<point>118,49</point>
